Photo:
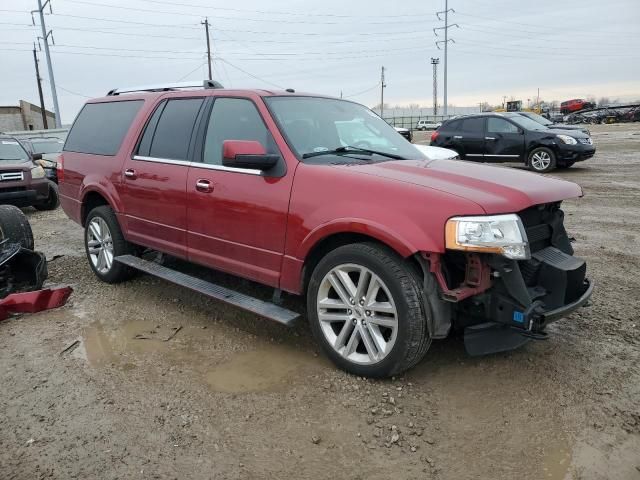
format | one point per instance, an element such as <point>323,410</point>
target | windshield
<point>316,125</point>
<point>47,146</point>
<point>11,150</point>
<point>527,123</point>
<point>538,118</point>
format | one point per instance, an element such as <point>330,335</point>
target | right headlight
<point>567,139</point>
<point>37,172</point>
<point>501,234</point>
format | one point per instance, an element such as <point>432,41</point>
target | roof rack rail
<point>165,88</point>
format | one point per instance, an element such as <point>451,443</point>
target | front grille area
<point>586,141</point>
<point>544,226</point>
<point>11,176</point>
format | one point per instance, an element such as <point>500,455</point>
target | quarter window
<point>499,125</point>
<point>100,128</point>
<point>235,119</point>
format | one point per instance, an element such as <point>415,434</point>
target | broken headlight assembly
<point>501,234</point>
<point>37,172</point>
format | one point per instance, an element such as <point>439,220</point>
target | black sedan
<point>511,137</point>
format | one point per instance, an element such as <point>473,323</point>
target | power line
<point>269,12</point>
<point>363,91</point>
<point>250,74</point>
<point>244,19</point>
<point>192,71</point>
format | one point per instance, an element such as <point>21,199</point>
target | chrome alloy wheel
<point>100,245</point>
<point>540,160</point>
<point>357,314</point>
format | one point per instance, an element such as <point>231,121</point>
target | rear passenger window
<point>168,133</point>
<point>472,125</point>
<point>100,128</point>
<point>235,119</point>
<point>452,126</point>
<point>499,125</point>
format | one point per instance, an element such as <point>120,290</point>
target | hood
<point>495,189</point>
<point>16,165</point>
<point>436,153</point>
<point>562,130</point>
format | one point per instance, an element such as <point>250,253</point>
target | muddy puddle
<point>262,369</point>
<point>133,344</point>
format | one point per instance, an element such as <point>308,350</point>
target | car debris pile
<point>22,269</point>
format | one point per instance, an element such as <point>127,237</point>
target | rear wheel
<point>14,227</point>
<point>366,311</point>
<point>103,242</point>
<point>542,160</point>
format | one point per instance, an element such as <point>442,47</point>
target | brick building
<point>26,116</point>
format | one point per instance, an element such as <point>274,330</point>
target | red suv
<point>391,249</point>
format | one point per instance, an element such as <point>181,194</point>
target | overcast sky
<point>567,48</point>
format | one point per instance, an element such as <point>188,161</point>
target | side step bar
<point>217,292</point>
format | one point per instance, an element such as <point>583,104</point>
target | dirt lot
<point>231,396</point>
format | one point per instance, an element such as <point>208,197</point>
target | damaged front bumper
<point>500,303</point>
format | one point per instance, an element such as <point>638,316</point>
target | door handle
<point>203,185</point>
<point>457,137</point>
<point>489,138</point>
<point>130,173</point>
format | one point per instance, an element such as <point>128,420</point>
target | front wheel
<point>103,242</point>
<point>53,200</point>
<point>542,160</point>
<point>365,309</point>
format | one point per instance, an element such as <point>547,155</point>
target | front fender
<point>398,242</point>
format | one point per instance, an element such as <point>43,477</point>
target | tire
<point>52,202</point>
<point>341,332</point>
<point>541,160</point>
<point>102,225</point>
<point>14,227</point>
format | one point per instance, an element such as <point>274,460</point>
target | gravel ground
<point>231,396</point>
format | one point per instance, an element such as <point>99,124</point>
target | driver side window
<point>235,119</point>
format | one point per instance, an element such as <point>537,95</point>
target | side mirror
<point>247,154</point>
<point>36,156</point>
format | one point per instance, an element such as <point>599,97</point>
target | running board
<point>217,292</point>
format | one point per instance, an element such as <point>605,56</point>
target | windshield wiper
<point>349,149</point>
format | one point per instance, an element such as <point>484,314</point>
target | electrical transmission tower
<point>45,40</point>
<point>435,62</point>
<point>446,41</point>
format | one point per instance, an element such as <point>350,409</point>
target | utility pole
<point>538,102</point>
<point>382,87</point>
<point>206,29</point>
<point>446,43</point>
<point>435,62</point>
<point>38,80</point>
<point>504,101</point>
<point>47,54</point>
<point>480,105</point>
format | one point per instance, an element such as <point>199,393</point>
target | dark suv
<point>512,137</point>
<point>22,182</point>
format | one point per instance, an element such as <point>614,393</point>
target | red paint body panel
<point>155,206</point>
<point>32,302</point>
<point>263,228</point>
